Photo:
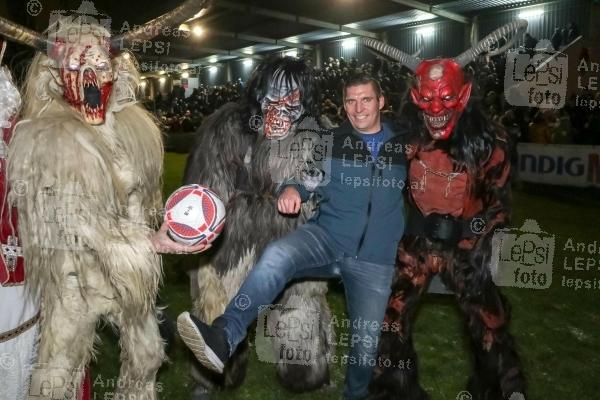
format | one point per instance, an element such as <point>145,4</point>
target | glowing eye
<point>448,98</point>
<point>102,66</point>
<point>73,67</point>
<point>426,99</point>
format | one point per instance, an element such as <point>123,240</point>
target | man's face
<point>362,107</point>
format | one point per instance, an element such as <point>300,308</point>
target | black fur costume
<point>234,158</point>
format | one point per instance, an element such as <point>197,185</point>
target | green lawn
<point>557,329</point>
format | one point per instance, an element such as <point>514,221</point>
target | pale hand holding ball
<point>164,244</point>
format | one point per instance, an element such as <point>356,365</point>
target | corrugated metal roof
<point>258,48</point>
<point>465,6</point>
<point>404,17</point>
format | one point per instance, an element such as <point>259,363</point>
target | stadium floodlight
<point>184,27</point>
<point>162,79</point>
<point>213,69</point>
<point>292,53</point>
<point>426,31</point>
<point>349,43</point>
<point>213,59</point>
<point>185,75</point>
<point>531,13</point>
<point>247,62</point>
<point>197,31</point>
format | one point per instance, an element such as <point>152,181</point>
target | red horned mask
<point>440,90</point>
<point>441,94</point>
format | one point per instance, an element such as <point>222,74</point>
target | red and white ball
<point>194,215</point>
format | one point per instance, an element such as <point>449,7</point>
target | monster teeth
<point>438,121</point>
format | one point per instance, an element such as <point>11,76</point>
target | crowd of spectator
<point>179,113</point>
<point>569,125</point>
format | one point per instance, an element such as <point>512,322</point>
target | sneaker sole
<point>193,339</point>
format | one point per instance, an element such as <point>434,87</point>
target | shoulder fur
<point>217,157</point>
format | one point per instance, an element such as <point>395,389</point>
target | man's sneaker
<point>208,343</point>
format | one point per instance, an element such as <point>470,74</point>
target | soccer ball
<point>194,214</point>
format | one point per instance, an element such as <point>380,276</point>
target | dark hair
<point>293,69</point>
<point>362,78</point>
<point>471,144</point>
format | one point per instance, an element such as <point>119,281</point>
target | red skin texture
<point>440,93</point>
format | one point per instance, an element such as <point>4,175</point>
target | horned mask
<point>440,90</point>
<point>83,53</point>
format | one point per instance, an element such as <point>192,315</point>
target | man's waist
<point>380,229</point>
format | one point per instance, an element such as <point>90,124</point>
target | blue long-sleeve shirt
<point>360,202</point>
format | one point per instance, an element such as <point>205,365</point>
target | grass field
<point>557,329</point>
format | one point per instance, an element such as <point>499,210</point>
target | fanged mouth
<point>277,127</point>
<point>439,121</point>
<point>92,97</point>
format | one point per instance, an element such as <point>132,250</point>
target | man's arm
<point>290,194</point>
<point>300,188</point>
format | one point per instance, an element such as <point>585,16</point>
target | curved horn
<point>385,49</point>
<point>516,27</point>
<point>21,34</point>
<point>152,28</point>
<point>504,48</point>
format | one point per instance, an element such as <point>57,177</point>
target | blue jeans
<point>309,252</point>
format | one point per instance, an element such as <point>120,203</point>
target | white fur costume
<point>85,193</point>
<point>87,161</point>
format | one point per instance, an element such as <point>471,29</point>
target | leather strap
<point>13,333</point>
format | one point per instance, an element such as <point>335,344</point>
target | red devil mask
<point>441,94</point>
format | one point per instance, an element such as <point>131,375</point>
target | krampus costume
<point>458,175</point>
<point>87,163</point>
<point>19,319</point>
<point>242,153</point>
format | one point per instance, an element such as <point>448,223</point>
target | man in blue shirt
<point>353,236</point>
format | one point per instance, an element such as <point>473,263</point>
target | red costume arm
<point>494,186</point>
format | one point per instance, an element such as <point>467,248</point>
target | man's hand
<point>164,244</point>
<point>289,201</point>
